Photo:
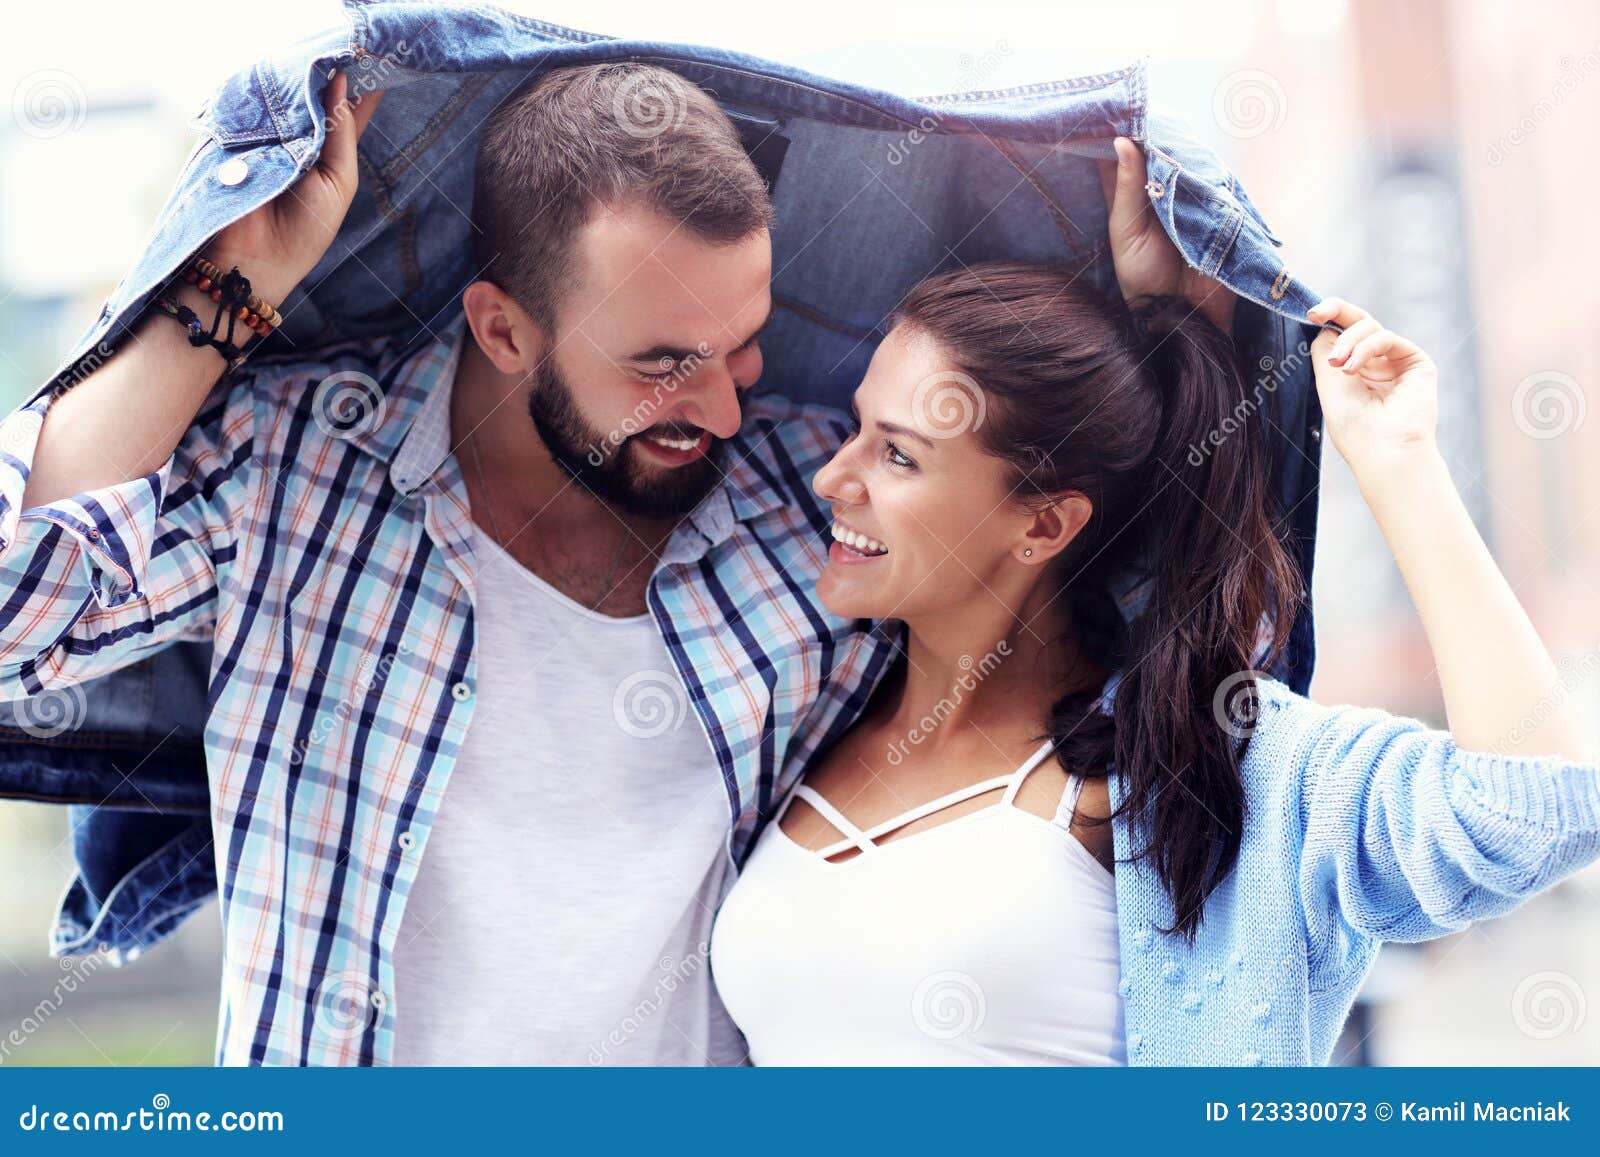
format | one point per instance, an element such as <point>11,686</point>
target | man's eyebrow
<point>664,351</point>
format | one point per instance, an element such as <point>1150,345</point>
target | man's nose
<point>714,404</point>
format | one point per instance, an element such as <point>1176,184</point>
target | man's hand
<point>1146,260</point>
<point>278,244</point>
<point>126,418</point>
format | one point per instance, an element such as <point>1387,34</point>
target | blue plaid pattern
<point>314,525</point>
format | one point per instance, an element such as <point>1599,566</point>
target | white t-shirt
<point>565,895</point>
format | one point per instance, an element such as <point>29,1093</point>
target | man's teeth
<point>857,542</point>
<point>672,443</point>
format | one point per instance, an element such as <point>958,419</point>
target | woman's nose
<point>833,482</point>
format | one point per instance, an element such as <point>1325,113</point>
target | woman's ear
<point>508,337</point>
<point>1053,528</point>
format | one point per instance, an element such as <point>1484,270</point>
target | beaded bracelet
<point>231,292</point>
<point>256,313</point>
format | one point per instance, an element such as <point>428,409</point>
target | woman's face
<point>924,517</point>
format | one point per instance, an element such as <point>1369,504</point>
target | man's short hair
<point>576,138</point>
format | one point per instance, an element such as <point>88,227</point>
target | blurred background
<point>1433,161</point>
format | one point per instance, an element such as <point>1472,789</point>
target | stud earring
<point>1027,552</point>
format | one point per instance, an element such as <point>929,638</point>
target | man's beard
<point>609,469</point>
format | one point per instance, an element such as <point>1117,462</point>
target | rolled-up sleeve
<point>91,582</point>
<point>1409,837</point>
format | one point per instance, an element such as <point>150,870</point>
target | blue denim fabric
<point>873,193</point>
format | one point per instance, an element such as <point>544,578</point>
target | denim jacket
<point>873,192</point>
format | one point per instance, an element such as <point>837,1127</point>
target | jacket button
<point>233,171</point>
<point>1155,188</point>
<point>461,692</point>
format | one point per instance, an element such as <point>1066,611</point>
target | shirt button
<point>407,841</point>
<point>379,1001</point>
<point>232,172</point>
<point>461,692</point>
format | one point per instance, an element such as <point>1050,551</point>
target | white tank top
<point>988,939</point>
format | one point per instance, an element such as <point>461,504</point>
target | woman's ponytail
<point>1220,600</point>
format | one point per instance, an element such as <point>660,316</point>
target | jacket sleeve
<point>92,583</point>
<point>1408,837</point>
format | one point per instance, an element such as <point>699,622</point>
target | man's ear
<point>508,337</point>
<point>1053,528</point>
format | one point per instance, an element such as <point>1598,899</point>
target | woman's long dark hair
<point>1145,412</point>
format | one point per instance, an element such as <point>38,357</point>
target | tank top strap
<point>949,799</point>
<point>1069,801</point>
<point>1022,772</point>
<point>854,836</point>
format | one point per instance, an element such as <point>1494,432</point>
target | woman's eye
<point>897,457</point>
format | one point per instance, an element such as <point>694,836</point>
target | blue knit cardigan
<point>1360,826</point>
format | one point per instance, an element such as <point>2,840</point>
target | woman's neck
<point>990,668</point>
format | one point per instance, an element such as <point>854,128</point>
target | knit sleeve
<point>1406,836</point>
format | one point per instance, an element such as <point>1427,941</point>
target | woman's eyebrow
<point>904,431</point>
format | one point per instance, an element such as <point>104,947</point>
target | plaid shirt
<point>314,525</point>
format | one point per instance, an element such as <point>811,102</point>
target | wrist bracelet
<point>231,292</point>
<point>255,312</point>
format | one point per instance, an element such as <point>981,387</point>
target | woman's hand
<point>276,245</point>
<point>1380,393</point>
<point>1146,260</point>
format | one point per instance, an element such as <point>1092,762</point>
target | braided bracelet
<point>256,313</point>
<point>231,292</point>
